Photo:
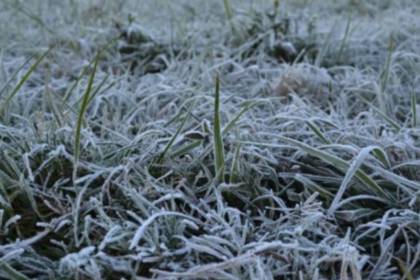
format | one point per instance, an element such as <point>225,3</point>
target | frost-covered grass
<point>222,139</point>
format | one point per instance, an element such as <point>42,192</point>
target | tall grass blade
<point>385,77</point>
<point>234,171</point>
<point>22,81</point>
<point>413,109</point>
<point>82,110</point>
<point>343,42</point>
<point>229,17</point>
<point>318,132</point>
<point>219,156</point>
<point>14,74</point>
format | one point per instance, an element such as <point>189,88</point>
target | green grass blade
<point>391,122</point>
<point>186,148</point>
<point>22,81</point>
<point>351,172</point>
<point>343,42</point>
<point>234,171</point>
<point>82,110</point>
<point>173,138</point>
<point>14,74</point>
<point>381,156</point>
<point>219,157</point>
<point>229,17</point>
<point>318,132</point>
<point>324,48</point>
<point>385,78</point>
<point>413,109</point>
<point>233,121</point>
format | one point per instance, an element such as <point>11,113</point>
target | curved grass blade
<point>23,80</point>
<point>339,163</point>
<point>14,74</point>
<point>318,132</point>
<point>351,172</point>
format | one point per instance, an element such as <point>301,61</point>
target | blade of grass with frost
<point>413,109</point>
<point>14,74</point>
<point>343,42</point>
<point>381,155</point>
<point>18,7</point>
<point>385,77</point>
<point>276,5</point>
<point>391,122</point>
<point>23,80</point>
<point>351,172</point>
<point>318,132</point>
<point>225,130</point>
<point>58,116</point>
<point>234,170</point>
<point>75,83</point>
<point>405,271</point>
<point>185,149</point>
<point>229,17</point>
<point>324,48</point>
<point>219,157</point>
<point>233,121</point>
<point>316,187</point>
<point>82,110</point>
<point>171,142</point>
<point>11,273</point>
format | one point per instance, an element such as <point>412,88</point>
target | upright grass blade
<point>413,109</point>
<point>343,42</point>
<point>276,6</point>
<point>219,157</point>
<point>229,126</point>
<point>324,48</point>
<point>171,142</point>
<point>318,132</point>
<point>385,77</point>
<point>235,166</point>
<point>229,17</point>
<point>22,81</point>
<point>14,74</point>
<point>82,111</point>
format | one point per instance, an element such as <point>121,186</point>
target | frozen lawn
<point>209,139</point>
